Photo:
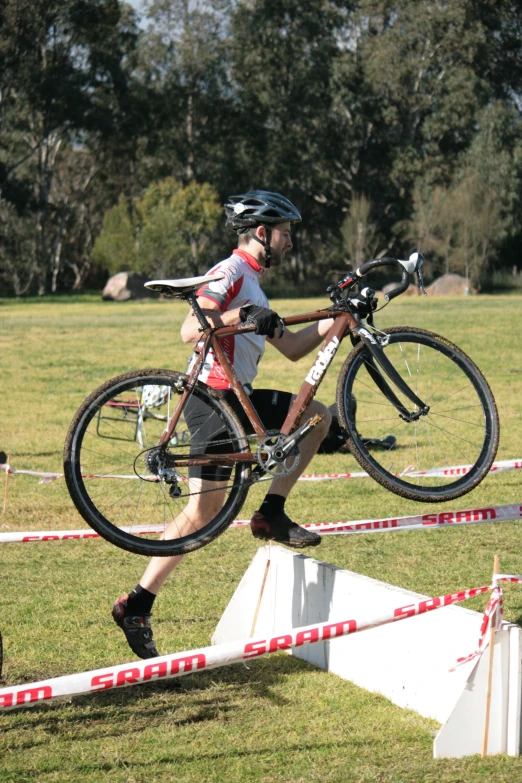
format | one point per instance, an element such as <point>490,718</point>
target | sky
<point>138,6</point>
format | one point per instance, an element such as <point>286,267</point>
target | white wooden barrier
<point>409,662</point>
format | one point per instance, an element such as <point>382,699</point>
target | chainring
<point>271,460</point>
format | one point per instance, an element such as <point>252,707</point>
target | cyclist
<point>263,222</point>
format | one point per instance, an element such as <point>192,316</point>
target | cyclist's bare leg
<point>307,448</point>
<point>200,510</point>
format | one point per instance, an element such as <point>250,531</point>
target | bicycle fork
<point>378,355</point>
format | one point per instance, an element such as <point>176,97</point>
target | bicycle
<point>135,462</point>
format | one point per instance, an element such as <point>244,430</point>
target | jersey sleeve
<point>224,291</point>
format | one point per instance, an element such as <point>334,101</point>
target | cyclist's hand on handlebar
<point>266,321</point>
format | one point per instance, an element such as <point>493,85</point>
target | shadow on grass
<point>227,754</point>
<point>207,696</point>
<point>100,724</point>
<point>36,454</point>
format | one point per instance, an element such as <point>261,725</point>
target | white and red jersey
<point>239,287</point>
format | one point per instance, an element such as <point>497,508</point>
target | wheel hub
<point>154,460</point>
<point>157,462</point>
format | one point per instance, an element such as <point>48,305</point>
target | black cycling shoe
<point>137,630</point>
<point>280,528</point>
<point>388,443</point>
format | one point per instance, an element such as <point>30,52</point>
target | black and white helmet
<point>259,207</point>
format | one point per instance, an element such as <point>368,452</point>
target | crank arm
<point>285,445</point>
<point>296,437</point>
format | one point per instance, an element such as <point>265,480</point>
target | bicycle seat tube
<point>206,328</point>
<point>244,399</point>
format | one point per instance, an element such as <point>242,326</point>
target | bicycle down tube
<point>333,339</point>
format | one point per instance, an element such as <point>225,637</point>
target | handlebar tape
<point>375,263</point>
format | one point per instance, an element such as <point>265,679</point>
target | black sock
<point>139,602</point>
<point>272,504</point>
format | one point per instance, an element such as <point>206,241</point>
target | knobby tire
<point>461,427</point>
<point>112,485</point>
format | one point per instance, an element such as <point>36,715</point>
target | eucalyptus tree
<point>64,85</point>
<point>184,58</point>
<point>430,70</point>
<point>284,57</point>
<point>164,232</point>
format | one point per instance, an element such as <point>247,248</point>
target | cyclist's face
<point>281,243</point>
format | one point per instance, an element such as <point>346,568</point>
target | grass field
<point>278,720</point>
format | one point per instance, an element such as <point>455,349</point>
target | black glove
<point>266,321</point>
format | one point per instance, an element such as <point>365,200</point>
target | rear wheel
<point>143,498</point>
<point>460,430</point>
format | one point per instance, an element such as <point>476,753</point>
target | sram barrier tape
<point>203,659</point>
<point>493,609</point>
<point>69,535</point>
<point>450,470</point>
<point>470,516</point>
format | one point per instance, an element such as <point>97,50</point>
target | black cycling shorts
<point>208,434</point>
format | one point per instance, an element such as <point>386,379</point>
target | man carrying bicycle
<point>263,222</point>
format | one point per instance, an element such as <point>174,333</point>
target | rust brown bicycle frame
<point>343,323</point>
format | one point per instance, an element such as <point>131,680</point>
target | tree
<point>494,160</point>
<point>283,66</point>
<point>428,71</point>
<point>323,100</point>
<point>431,228</point>
<point>63,83</point>
<point>166,232</point>
<point>115,248</point>
<point>459,227</point>
<point>478,227</point>
<point>184,56</point>
<point>18,244</point>
<point>358,231</point>
<point>176,222</point>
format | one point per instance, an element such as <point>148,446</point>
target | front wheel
<point>147,499</point>
<point>460,430</point>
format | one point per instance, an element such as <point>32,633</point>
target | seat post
<point>191,298</point>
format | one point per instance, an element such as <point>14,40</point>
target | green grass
<point>278,720</point>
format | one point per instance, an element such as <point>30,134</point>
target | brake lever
<point>420,282</point>
<point>418,270</point>
<point>413,266</point>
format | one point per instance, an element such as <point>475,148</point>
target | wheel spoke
<point>453,418</point>
<point>120,477</point>
<point>456,427</point>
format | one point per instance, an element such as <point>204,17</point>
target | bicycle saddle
<point>182,286</point>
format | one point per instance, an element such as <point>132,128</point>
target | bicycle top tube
<point>291,320</point>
